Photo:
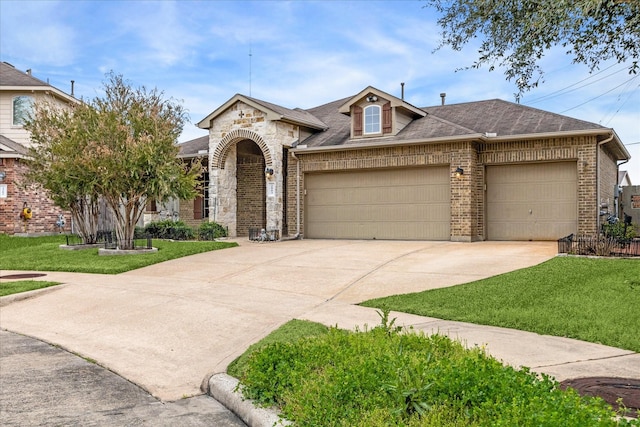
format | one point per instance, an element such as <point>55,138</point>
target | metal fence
<point>599,246</point>
<point>108,240</point>
<point>263,235</point>
<point>102,237</point>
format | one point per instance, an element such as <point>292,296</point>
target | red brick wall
<point>45,212</point>
<point>251,195</point>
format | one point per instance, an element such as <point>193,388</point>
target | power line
<point>624,102</point>
<point>562,91</point>
<point>602,94</point>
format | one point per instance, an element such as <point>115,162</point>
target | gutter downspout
<point>600,144</point>
<point>297,236</point>
<point>617,194</point>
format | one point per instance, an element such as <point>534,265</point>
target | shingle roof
<point>10,76</point>
<point>471,119</point>
<point>15,148</point>
<point>297,115</point>
<point>507,118</point>
<point>194,147</point>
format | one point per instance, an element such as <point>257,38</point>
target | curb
<point>224,388</point>
<point>8,299</point>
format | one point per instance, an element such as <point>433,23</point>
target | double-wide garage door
<point>535,201</point>
<point>404,204</point>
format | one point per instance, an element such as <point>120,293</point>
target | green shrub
<point>211,231</point>
<point>383,378</point>
<point>617,230</point>
<point>169,229</point>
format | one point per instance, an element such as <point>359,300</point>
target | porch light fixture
<point>459,172</point>
<point>268,172</point>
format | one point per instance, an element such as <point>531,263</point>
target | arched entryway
<point>251,187</point>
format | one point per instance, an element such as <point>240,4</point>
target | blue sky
<point>303,54</point>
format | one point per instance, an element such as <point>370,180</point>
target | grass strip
<point>44,254</point>
<point>590,299</point>
<point>17,286</point>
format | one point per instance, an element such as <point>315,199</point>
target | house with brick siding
<point>373,166</point>
<point>18,91</point>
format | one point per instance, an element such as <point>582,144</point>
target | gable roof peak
<point>273,111</point>
<point>395,102</point>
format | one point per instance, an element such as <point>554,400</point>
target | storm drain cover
<point>22,276</point>
<point>610,389</point>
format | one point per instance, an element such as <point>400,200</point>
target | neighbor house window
<point>22,108</point>
<point>201,202</point>
<point>372,119</point>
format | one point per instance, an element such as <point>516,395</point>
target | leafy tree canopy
<point>120,147</point>
<point>515,34</point>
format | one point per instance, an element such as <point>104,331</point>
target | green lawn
<point>43,254</point>
<point>596,300</point>
<point>17,286</point>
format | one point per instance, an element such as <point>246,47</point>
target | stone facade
<point>45,212</point>
<point>242,122</point>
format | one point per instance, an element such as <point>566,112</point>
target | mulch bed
<point>610,389</point>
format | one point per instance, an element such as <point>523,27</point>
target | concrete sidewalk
<point>170,326</point>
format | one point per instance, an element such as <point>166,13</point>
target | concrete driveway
<point>167,327</point>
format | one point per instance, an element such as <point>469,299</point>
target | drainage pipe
<point>598,202</point>
<point>616,200</point>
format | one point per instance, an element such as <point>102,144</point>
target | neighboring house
<point>18,92</point>
<point>373,166</point>
<point>624,179</point>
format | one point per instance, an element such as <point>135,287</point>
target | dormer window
<point>372,119</point>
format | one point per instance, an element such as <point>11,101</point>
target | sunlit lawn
<point>596,300</point>
<point>44,254</point>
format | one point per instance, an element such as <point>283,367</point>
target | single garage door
<point>536,201</point>
<point>403,204</point>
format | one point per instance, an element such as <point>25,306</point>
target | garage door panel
<point>381,204</point>
<point>531,201</point>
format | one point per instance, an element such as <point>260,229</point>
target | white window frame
<point>370,127</point>
<point>20,120</point>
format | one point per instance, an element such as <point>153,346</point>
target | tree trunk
<point>85,216</point>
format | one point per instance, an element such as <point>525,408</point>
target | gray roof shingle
<point>455,120</point>
<point>10,76</point>
<point>14,147</point>
<point>194,147</point>
<point>506,118</point>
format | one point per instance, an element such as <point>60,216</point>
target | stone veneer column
<point>240,122</point>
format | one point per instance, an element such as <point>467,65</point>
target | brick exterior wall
<point>251,196</point>
<point>608,177</point>
<point>45,212</point>
<point>467,192</point>
<point>238,188</point>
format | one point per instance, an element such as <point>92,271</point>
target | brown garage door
<point>404,204</point>
<point>537,201</point>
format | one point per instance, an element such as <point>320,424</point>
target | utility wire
<point>624,102</point>
<point>565,91</point>
<point>602,94</point>
<point>559,91</point>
